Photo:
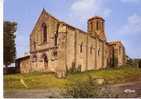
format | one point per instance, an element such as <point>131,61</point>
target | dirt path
<point>129,90</point>
<point>38,93</point>
<point>124,90</point>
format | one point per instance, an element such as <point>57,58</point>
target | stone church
<point>56,46</point>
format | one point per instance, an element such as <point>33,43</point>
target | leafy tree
<point>9,42</point>
<point>130,61</point>
<point>140,63</point>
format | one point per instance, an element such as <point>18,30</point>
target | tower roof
<point>96,17</point>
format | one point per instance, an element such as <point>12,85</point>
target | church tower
<point>96,27</point>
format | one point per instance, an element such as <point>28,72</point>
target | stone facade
<point>56,46</point>
<point>23,64</point>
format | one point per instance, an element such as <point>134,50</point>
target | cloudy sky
<point>123,19</point>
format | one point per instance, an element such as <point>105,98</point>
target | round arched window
<point>44,31</point>
<point>34,58</point>
<point>45,60</point>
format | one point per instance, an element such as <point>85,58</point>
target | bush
<point>83,89</point>
<point>74,69</point>
<point>89,89</point>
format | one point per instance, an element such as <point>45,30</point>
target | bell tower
<point>96,27</point>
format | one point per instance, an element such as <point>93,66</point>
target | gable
<point>37,36</point>
<point>43,18</point>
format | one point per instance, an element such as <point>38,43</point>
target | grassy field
<point>48,80</point>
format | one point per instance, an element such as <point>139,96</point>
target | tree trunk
<point>6,69</point>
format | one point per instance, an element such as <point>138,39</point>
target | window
<point>81,47</point>
<point>54,53</point>
<point>91,26</point>
<point>97,25</point>
<point>119,50</point>
<point>55,41</point>
<point>98,51</point>
<point>45,59</point>
<point>91,50</point>
<point>44,31</point>
<point>34,58</point>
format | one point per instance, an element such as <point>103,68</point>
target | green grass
<point>48,80</point>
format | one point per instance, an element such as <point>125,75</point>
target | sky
<point>122,19</point>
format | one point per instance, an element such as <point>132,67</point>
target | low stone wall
<point>10,70</point>
<point>23,64</point>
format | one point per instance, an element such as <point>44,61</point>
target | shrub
<point>89,89</point>
<point>83,89</point>
<point>74,69</point>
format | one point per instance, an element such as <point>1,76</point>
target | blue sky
<point>123,19</point>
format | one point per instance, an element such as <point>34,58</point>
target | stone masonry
<point>56,46</point>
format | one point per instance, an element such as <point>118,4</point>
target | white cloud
<point>88,8</point>
<point>130,1</point>
<point>82,10</point>
<point>133,25</point>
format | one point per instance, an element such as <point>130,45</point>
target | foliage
<point>9,42</point>
<point>34,80</point>
<point>74,69</point>
<point>89,89</point>
<point>83,89</point>
<point>140,64</point>
<point>135,62</point>
<point>48,80</point>
<point>130,61</point>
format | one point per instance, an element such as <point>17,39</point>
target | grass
<point>48,80</point>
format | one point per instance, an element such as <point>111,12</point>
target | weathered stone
<point>56,46</point>
<point>100,81</point>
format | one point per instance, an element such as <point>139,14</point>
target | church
<point>58,47</point>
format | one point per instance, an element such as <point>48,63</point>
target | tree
<point>9,42</point>
<point>140,63</point>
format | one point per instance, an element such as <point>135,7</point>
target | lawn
<point>48,80</point>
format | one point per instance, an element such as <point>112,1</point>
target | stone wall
<point>76,46</point>
<point>58,47</point>
<point>62,39</point>
<point>36,38</point>
<point>119,53</point>
<point>70,48</point>
<point>107,55</point>
<point>91,53</point>
<point>24,64</point>
<point>44,55</point>
<point>85,51</point>
<point>81,48</point>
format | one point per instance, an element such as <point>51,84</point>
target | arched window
<point>97,27</point>
<point>45,60</point>
<point>119,49</point>
<point>98,51</point>
<point>91,26</point>
<point>34,58</point>
<point>44,31</point>
<point>55,41</point>
<point>91,49</point>
<point>81,47</point>
<point>34,45</point>
<point>56,35</point>
<point>55,53</point>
